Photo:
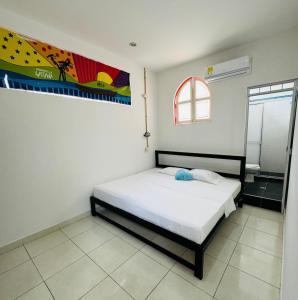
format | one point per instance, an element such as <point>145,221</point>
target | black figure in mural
<point>62,65</point>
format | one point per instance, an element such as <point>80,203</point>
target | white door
<point>254,134</point>
<point>290,146</point>
<point>276,121</point>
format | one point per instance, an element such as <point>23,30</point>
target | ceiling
<point>167,32</point>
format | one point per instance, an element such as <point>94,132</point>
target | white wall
<point>54,149</point>
<point>289,288</point>
<point>274,59</point>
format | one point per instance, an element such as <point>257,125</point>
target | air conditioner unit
<point>234,67</point>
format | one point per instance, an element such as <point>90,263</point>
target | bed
<point>187,212</point>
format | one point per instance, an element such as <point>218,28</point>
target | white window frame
<point>192,101</point>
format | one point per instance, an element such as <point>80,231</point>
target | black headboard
<point>241,159</point>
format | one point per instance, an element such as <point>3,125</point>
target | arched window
<point>192,101</point>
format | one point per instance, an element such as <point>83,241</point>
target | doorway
<point>270,109</point>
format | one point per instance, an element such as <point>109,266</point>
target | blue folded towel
<point>183,175</point>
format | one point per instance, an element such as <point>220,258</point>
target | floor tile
<point>254,262</point>
<point>47,242</point>
<point>125,236</point>
<point>112,254</point>
<point>40,292</point>
<point>221,248</point>
<point>237,285</point>
<point>246,209</point>
<point>230,230</point>
<point>78,218</point>
<point>139,275</point>
<point>169,245</point>
<point>12,259</point>
<point>158,256</point>
<point>75,280</point>
<point>267,214</point>
<point>78,227</point>
<point>92,238</point>
<point>114,217</point>
<point>262,241</point>
<point>148,234</point>
<point>56,259</point>
<point>11,246</point>
<point>108,226</point>
<point>96,219</point>
<point>117,218</point>
<point>213,271</point>
<point>40,234</point>
<point>138,244</point>
<point>265,225</point>
<point>259,264</point>
<point>18,280</point>
<point>239,216</point>
<point>176,288</point>
<point>107,290</point>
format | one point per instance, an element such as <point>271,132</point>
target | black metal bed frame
<point>199,249</point>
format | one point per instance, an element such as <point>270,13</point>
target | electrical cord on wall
<point>147,133</point>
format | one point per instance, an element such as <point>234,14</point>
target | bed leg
<point>240,203</point>
<point>199,262</point>
<point>92,204</point>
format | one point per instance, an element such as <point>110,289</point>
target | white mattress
<point>188,208</point>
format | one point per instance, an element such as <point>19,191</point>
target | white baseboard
<point>41,233</point>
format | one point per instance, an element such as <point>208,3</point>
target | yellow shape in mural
<point>58,55</point>
<point>16,50</point>
<point>104,77</point>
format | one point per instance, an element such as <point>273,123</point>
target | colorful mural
<point>28,64</point>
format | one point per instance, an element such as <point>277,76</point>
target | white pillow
<point>206,176</point>
<point>170,170</point>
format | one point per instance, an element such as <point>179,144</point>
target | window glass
<point>265,89</point>
<point>254,91</point>
<point>288,85</point>
<point>276,87</point>
<point>202,90</point>
<point>184,112</point>
<point>185,92</point>
<point>192,101</point>
<point>271,88</point>
<point>203,109</point>
<point>272,95</point>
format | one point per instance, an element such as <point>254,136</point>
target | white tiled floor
<point>91,259</point>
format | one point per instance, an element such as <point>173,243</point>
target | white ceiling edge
<point>224,50</point>
<point>29,25</point>
<point>35,29</point>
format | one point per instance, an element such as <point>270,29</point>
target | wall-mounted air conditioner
<point>234,67</point>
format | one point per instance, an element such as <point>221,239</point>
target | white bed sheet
<point>188,208</point>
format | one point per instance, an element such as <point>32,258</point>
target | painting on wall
<point>28,64</point>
